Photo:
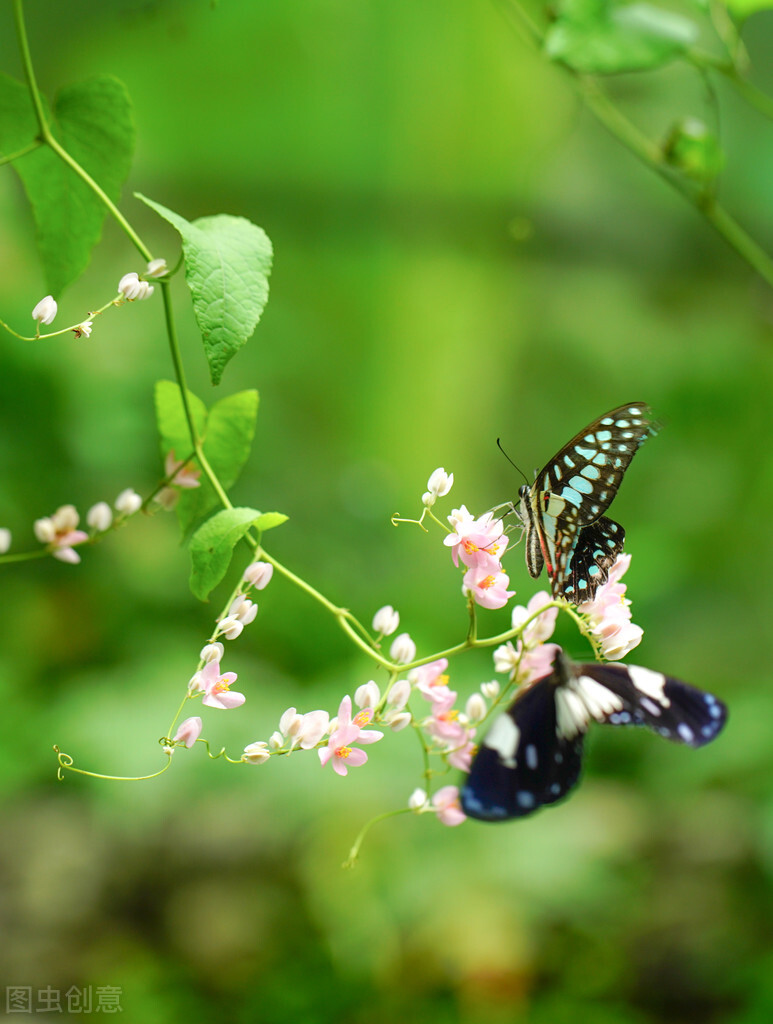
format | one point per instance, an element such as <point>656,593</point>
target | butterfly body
<point>562,512</point>
<point>532,755</point>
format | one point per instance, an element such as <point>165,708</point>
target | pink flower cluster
<point>445,803</point>
<point>530,657</point>
<point>452,732</point>
<point>480,544</point>
<point>307,731</point>
<point>608,615</point>
<point>60,531</point>
<point>209,679</point>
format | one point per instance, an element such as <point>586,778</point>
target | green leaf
<point>600,37</point>
<point>269,520</point>
<point>227,264</point>
<point>743,8</point>
<point>228,436</point>
<point>93,121</point>
<point>227,430</point>
<point>171,419</point>
<point>212,547</point>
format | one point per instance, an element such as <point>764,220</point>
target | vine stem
<point>47,138</point>
<point>649,153</point>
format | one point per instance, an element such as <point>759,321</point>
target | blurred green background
<point>461,254</point>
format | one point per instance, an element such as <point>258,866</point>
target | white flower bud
<point>129,286</point>
<point>230,627</point>
<point>45,311</point>
<point>315,725</point>
<point>399,694</point>
<point>440,483</point>
<point>65,518</point>
<point>100,517</point>
<point>418,800</point>
<point>128,502</point>
<point>386,620</point>
<point>256,753</point>
<point>195,684</point>
<point>505,658</point>
<point>276,741</point>
<point>212,652</point>
<point>428,499</point>
<point>5,539</point>
<point>490,690</point>
<point>367,695</point>
<point>403,649</point>
<point>44,529</point>
<point>475,708</point>
<point>290,723</point>
<point>258,574</point>
<point>397,720</point>
<point>243,610</point>
<point>69,555</point>
<point>157,268</point>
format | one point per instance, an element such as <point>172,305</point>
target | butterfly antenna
<point>517,468</point>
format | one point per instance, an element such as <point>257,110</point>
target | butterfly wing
<point>571,494</point>
<point>525,760</point>
<point>532,755</point>
<point>632,695</point>
<point>586,566</point>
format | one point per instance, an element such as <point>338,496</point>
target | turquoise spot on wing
<point>579,483</point>
<point>585,453</point>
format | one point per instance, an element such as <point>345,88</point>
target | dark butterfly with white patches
<point>562,511</point>
<point>532,754</point>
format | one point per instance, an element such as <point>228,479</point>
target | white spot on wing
<point>530,755</point>
<point>503,736</point>
<point>649,682</point>
<point>599,700</point>
<point>571,713</point>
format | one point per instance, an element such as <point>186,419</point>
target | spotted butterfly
<point>532,754</point>
<point>562,510</point>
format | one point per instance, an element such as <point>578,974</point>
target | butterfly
<point>532,754</point>
<point>562,511</point>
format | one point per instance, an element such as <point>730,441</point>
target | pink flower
<point>461,758</point>
<point>536,663</point>
<point>446,803</point>
<point>217,687</point>
<point>444,724</point>
<point>608,615</point>
<point>489,589</point>
<point>188,732</point>
<point>58,531</point>
<point>540,629</point>
<point>181,474</point>
<point>430,680</point>
<point>477,542</point>
<point>349,730</point>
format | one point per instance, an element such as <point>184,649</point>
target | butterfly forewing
<point>669,707</point>
<point>532,754</point>
<point>569,497</point>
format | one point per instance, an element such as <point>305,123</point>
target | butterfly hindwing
<point>570,495</point>
<point>594,553</point>
<point>524,761</point>
<point>532,755</point>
